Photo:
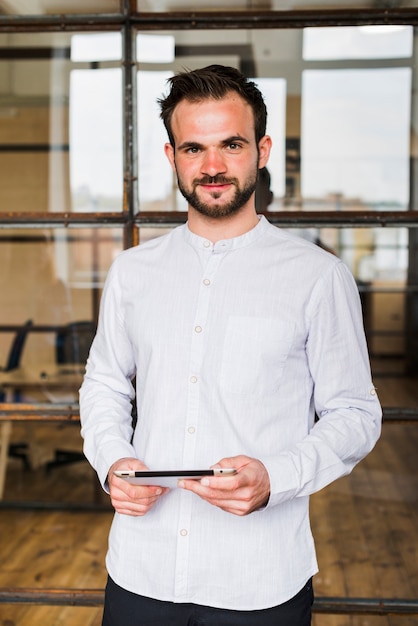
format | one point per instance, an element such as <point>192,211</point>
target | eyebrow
<point>225,142</point>
<point>235,139</point>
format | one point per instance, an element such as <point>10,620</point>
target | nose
<point>213,163</point>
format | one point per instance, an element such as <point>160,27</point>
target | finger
<point>132,507</point>
<point>136,492</point>
<point>238,462</point>
<point>227,482</point>
<point>122,499</point>
<point>238,499</point>
<point>222,497</point>
<point>131,512</point>
<point>138,502</point>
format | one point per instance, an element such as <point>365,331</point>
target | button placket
<point>192,418</point>
<point>197,351</point>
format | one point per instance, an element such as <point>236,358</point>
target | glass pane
<point>96,47</point>
<point>155,175</point>
<point>155,48</point>
<point>59,7</point>
<point>362,42</point>
<point>145,234</point>
<point>378,259</point>
<point>51,278</point>
<point>61,123</point>
<point>341,131</point>
<point>356,138</point>
<point>96,168</point>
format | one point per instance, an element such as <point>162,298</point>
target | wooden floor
<point>365,525</point>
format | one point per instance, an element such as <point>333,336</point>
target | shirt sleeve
<point>345,400</point>
<point>107,392</point>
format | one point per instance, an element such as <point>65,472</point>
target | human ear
<point>169,153</point>
<point>264,147</point>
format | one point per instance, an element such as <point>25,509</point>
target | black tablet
<point>169,478</point>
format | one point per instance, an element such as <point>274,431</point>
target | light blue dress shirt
<point>235,346</point>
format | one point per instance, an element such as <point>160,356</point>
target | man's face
<point>216,157</point>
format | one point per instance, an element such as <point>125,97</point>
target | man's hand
<point>130,499</point>
<point>241,494</point>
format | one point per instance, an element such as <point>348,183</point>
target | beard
<point>221,209</point>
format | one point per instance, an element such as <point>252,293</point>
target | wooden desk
<point>51,381</point>
<point>65,376</point>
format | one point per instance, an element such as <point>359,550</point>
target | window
<point>84,176</point>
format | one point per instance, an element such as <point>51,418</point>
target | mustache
<point>214,180</point>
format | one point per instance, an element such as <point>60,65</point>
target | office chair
<point>72,346</point>
<point>17,450</point>
<point>73,342</point>
<point>16,349</point>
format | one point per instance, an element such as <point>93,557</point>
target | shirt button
<point>373,391</point>
<point>198,329</point>
<point>207,244</point>
<point>206,282</point>
<point>183,532</point>
<point>193,379</point>
<point>191,430</point>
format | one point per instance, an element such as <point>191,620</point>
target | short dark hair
<point>213,81</point>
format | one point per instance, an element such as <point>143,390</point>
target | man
<point>238,334</point>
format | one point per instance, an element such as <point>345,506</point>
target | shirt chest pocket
<point>254,354</point>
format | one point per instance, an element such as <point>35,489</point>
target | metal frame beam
<point>95,598</point>
<point>167,219</point>
<point>197,20</point>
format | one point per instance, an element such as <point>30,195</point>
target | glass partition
<point>343,117</point>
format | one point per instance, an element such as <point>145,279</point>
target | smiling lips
<point>215,188</point>
<point>214,184</point>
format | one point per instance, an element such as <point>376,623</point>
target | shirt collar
<point>225,245</point>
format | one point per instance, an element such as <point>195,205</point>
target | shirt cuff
<point>284,482</point>
<point>110,454</point>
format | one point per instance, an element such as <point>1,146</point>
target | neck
<point>219,228</point>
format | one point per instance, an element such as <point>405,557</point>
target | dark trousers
<point>123,608</point>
